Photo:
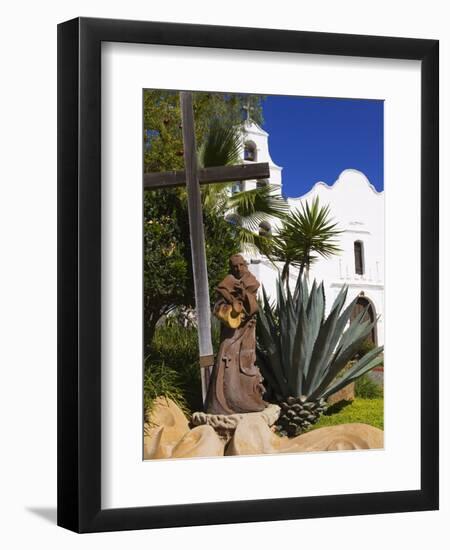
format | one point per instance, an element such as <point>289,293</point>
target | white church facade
<point>358,208</point>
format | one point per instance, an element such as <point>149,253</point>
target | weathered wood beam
<point>199,268</point>
<point>214,174</point>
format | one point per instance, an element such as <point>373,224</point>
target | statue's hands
<point>238,286</point>
<point>237,306</point>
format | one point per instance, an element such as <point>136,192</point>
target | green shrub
<point>172,366</point>
<point>175,345</point>
<point>161,380</point>
<point>365,387</point>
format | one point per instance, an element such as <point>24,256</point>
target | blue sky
<point>315,139</point>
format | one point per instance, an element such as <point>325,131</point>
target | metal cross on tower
<point>247,108</point>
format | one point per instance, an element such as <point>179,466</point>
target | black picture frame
<point>79,274</point>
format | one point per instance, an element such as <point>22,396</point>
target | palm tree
<point>246,210</point>
<point>305,234</point>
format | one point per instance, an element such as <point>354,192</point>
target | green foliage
<point>221,145</point>
<point>163,141</point>
<point>165,266</point>
<point>365,411</point>
<point>258,204</point>
<point>305,234</point>
<point>177,348</point>
<point>161,380</point>
<point>246,210</point>
<point>168,279</point>
<point>302,353</point>
<point>175,345</point>
<point>368,389</point>
<point>172,369</point>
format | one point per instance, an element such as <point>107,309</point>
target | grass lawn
<point>367,411</point>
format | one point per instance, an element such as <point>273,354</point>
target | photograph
<point>247,232</point>
<point>226,264</point>
<point>263,274</point>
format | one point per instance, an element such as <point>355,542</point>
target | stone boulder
<point>347,393</point>
<point>200,442</point>
<point>253,437</point>
<point>336,438</point>
<point>165,426</point>
<point>167,435</point>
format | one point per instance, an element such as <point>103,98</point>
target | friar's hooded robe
<point>236,382</point>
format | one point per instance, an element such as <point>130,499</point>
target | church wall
<point>359,211</point>
<point>256,135</point>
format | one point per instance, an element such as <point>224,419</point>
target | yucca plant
<point>302,353</point>
<point>306,234</point>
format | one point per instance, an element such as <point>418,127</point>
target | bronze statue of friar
<point>236,384</point>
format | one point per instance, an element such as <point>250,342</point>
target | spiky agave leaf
<point>337,323</point>
<point>359,330</point>
<point>315,313</point>
<point>341,358</point>
<point>269,346</point>
<point>325,342</point>
<point>306,351</point>
<point>369,361</point>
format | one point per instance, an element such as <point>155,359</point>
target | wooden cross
<point>192,177</point>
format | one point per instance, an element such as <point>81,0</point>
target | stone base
<point>168,435</point>
<point>225,424</point>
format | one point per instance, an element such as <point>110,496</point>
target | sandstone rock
<point>347,393</point>
<point>202,441</point>
<point>335,438</point>
<point>152,440</point>
<point>166,425</point>
<point>167,435</point>
<point>253,436</point>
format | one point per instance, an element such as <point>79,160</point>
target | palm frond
<point>252,242</point>
<point>261,200</point>
<point>247,209</point>
<point>221,147</point>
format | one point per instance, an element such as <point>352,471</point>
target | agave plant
<point>303,354</point>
